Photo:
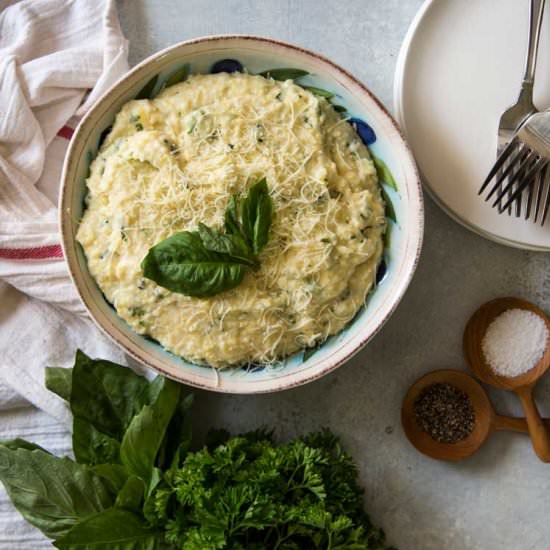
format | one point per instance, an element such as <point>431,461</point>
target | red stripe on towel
<point>66,132</point>
<point>38,253</point>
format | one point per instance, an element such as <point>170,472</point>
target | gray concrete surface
<point>498,500</point>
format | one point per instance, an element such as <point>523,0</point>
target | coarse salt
<point>515,342</point>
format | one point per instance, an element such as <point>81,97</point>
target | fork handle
<point>536,12</point>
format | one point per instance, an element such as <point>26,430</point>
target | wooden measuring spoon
<point>523,385</point>
<point>486,420</point>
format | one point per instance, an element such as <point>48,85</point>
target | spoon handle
<point>510,424</point>
<point>537,430</point>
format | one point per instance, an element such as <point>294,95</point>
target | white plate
<point>459,68</point>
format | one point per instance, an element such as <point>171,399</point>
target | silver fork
<point>518,113</point>
<point>523,164</point>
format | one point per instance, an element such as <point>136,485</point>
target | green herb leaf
<point>51,493</point>
<point>131,495</point>
<point>113,529</point>
<point>256,215</point>
<point>181,263</point>
<point>310,352</point>
<point>232,225</point>
<point>177,442</point>
<point>147,91</point>
<point>113,475</point>
<point>17,443</point>
<point>340,109</point>
<point>232,245</point>
<point>284,74</point>
<point>104,399</point>
<point>90,446</point>
<point>319,91</point>
<point>146,432</point>
<point>390,210</point>
<point>106,394</point>
<point>179,75</point>
<point>59,381</point>
<point>384,173</point>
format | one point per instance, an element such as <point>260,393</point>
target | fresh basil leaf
<point>14,444</point>
<point>232,245</point>
<point>319,91</point>
<point>147,91</point>
<point>310,352</point>
<point>177,443</point>
<point>179,75</point>
<point>181,263</point>
<point>232,225</point>
<point>106,395</point>
<point>147,430</point>
<point>113,475</point>
<point>390,210</point>
<point>113,529</point>
<point>59,381</point>
<point>131,495</point>
<point>256,215</point>
<point>284,74</point>
<point>51,493</point>
<point>384,173</point>
<point>90,446</point>
<point>340,109</point>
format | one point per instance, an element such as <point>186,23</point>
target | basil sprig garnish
<point>206,262</point>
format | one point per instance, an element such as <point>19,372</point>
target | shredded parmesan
<point>172,162</point>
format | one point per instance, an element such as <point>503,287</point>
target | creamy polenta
<point>174,161</point>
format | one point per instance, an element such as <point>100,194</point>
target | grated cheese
<point>172,162</point>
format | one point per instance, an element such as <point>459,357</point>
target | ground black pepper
<point>445,413</point>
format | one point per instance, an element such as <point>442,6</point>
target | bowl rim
<point>300,377</point>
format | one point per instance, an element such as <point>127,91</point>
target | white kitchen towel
<point>56,58</point>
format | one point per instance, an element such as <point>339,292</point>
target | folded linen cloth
<point>56,58</point>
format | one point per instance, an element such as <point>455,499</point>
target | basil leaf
<point>52,493</point>
<point>256,214</point>
<point>284,74</point>
<point>130,496</point>
<point>181,263</point>
<point>179,75</point>
<point>113,529</point>
<point>232,225</point>
<point>113,475</point>
<point>383,172</point>
<point>17,443</point>
<point>106,395</point>
<point>232,245</point>
<point>390,210</point>
<point>147,91</point>
<point>146,432</point>
<point>59,381</point>
<point>177,443</point>
<point>319,91</point>
<point>90,446</point>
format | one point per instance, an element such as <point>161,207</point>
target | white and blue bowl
<point>376,127</point>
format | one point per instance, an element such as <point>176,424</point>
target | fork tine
<point>540,187</point>
<point>498,164</point>
<point>517,155</point>
<point>525,181</point>
<point>546,184</point>
<point>523,164</point>
<point>518,204</point>
<point>530,193</point>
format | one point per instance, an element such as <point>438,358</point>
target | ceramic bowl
<point>385,142</point>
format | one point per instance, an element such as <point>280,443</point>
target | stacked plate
<point>460,67</point>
